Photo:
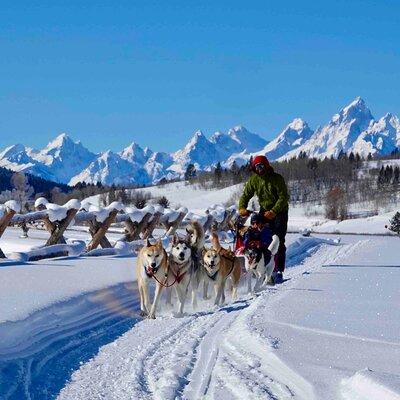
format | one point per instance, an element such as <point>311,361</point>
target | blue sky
<point>112,72</point>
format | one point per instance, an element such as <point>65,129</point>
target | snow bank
<point>31,287</point>
<point>367,385</point>
<point>73,248</point>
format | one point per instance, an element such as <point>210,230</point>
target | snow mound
<point>41,201</point>
<point>13,205</point>
<point>369,385</point>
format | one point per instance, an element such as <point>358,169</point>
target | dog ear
<point>175,239</point>
<point>159,242</point>
<point>204,251</point>
<point>147,244</point>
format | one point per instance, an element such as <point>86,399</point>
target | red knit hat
<point>260,160</point>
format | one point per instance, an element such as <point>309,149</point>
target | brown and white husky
<point>152,263</point>
<point>219,264</point>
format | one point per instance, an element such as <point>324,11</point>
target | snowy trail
<point>38,354</point>
<point>209,354</point>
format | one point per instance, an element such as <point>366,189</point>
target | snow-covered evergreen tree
<point>395,223</point>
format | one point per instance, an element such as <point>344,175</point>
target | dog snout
<point>153,264</point>
<point>181,255</point>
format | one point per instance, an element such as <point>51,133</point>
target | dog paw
<point>143,313</point>
<point>152,316</point>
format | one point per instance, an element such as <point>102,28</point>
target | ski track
<point>215,354</point>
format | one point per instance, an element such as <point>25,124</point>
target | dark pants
<point>279,227</point>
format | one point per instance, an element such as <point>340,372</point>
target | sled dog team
<point>189,263</point>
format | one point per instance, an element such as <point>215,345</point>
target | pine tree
<point>395,223</point>
<point>190,172</point>
<point>218,173</point>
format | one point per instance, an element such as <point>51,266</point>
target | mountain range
<point>352,129</point>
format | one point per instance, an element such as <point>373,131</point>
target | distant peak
<point>239,128</point>
<point>358,102</point>
<point>298,124</point>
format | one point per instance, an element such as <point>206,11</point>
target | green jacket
<point>270,189</point>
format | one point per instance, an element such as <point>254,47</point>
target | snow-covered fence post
<point>172,226</point>
<point>135,228</point>
<point>60,227</point>
<point>99,229</point>
<point>40,205</point>
<point>11,208</point>
<point>58,218</point>
<point>148,231</point>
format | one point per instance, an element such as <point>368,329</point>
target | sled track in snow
<point>213,354</point>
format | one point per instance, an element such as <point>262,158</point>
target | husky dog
<point>196,239</point>
<point>180,266</point>
<point>152,263</point>
<point>257,264</point>
<point>219,264</point>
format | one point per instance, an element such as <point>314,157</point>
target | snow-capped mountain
<point>63,160</point>
<point>64,157</point>
<point>381,137</point>
<point>157,165</point>
<point>292,137</point>
<point>248,141</point>
<point>339,135</point>
<point>135,154</point>
<point>205,153</point>
<point>110,168</point>
<point>199,151</point>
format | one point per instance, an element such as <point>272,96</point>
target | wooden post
<point>152,225</point>
<point>134,229</point>
<point>94,227</point>
<point>4,221</point>
<point>173,226</point>
<point>60,227</point>
<point>50,226</point>
<point>99,234</point>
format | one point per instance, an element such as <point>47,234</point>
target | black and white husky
<point>256,265</point>
<point>196,240</point>
<point>180,266</point>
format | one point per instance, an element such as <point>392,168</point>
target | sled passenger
<point>273,197</point>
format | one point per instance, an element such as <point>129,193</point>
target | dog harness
<point>214,275</point>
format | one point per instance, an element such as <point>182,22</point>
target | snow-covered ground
<point>329,332</point>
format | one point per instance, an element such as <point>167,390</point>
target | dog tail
<point>197,228</point>
<point>215,241</point>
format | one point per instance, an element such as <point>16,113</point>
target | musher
<point>273,198</point>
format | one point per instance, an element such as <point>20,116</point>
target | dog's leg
<point>220,292</point>
<point>143,311</point>
<point>181,292</point>
<point>195,283</point>
<point>234,290</point>
<point>249,277</point>
<point>168,297</point>
<point>223,293</point>
<point>155,301</point>
<point>205,290</point>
